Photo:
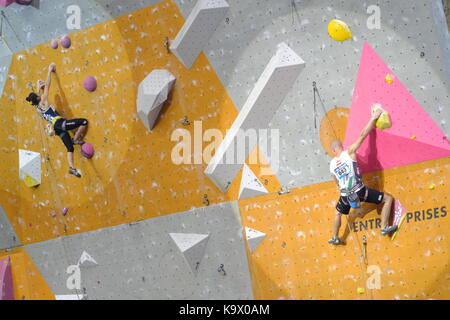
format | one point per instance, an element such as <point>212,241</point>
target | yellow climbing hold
<point>432,186</point>
<point>339,30</point>
<point>414,137</point>
<point>30,182</point>
<point>384,121</point>
<point>389,79</point>
<point>361,290</point>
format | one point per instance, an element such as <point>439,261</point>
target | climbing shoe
<point>335,241</point>
<point>74,172</point>
<point>388,230</point>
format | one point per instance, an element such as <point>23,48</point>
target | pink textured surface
<point>392,147</point>
<point>6,3</point>
<point>6,282</point>
<point>399,211</point>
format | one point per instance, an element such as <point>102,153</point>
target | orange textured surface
<point>131,176</point>
<point>295,261</point>
<point>28,282</point>
<point>333,127</point>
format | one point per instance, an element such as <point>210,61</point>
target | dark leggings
<point>62,128</point>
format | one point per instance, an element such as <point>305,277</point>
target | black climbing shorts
<point>62,128</point>
<point>373,196</point>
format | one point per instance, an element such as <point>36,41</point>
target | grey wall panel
<point>141,261</point>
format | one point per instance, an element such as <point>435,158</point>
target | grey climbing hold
<point>153,92</point>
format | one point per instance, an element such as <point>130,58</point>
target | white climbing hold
<point>30,168</point>
<point>192,246</point>
<point>198,29</point>
<point>86,260</point>
<point>262,104</point>
<point>254,238</point>
<point>250,185</point>
<point>153,92</point>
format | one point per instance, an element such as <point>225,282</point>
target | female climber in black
<point>57,124</point>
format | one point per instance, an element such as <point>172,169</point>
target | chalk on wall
<point>250,185</point>
<point>254,238</point>
<point>6,281</point>
<point>153,92</point>
<point>30,168</point>
<point>198,29</point>
<point>264,100</point>
<point>192,246</point>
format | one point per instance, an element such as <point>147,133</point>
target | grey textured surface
<point>141,261</point>
<point>239,48</point>
<point>8,237</point>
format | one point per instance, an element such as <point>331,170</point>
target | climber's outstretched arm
<point>44,97</point>
<point>366,131</point>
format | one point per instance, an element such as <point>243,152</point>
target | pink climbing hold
<point>55,44</point>
<point>6,281</point>
<point>6,3</point>
<point>392,147</point>
<point>65,211</point>
<point>90,83</point>
<point>87,150</point>
<point>66,42</point>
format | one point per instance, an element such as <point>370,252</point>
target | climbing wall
<point>8,237</point>
<point>145,261</point>
<point>28,283</point>
<point>112,192</point>
<point>180,236</point>
<point>294,261</point>
<point>241,45</point>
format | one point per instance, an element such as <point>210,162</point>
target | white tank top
<point>347,173</point>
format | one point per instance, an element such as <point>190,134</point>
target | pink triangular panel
<point>383,150</point>
<point>408,119</point>
<point>6,282</point>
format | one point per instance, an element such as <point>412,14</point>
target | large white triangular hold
<point>192,246</point>
<point>263,102</point>
<point>153,92</point>
<point>30,165</point>
<point>198,29</point>
<point>86,260</point>
<point>254,238</point>
<point>250,185</point>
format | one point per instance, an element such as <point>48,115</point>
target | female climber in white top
<point>57,124</point>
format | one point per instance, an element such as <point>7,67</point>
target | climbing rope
<point>294,11</point>
<point>363,257</point>
<point>50,173</point>
<point>317,94</point>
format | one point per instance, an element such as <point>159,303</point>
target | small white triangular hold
<point>250,185</point>
<point>192,246</point>
<point>86,260</point>
<point>30,165</point>
<point>254,238</point>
